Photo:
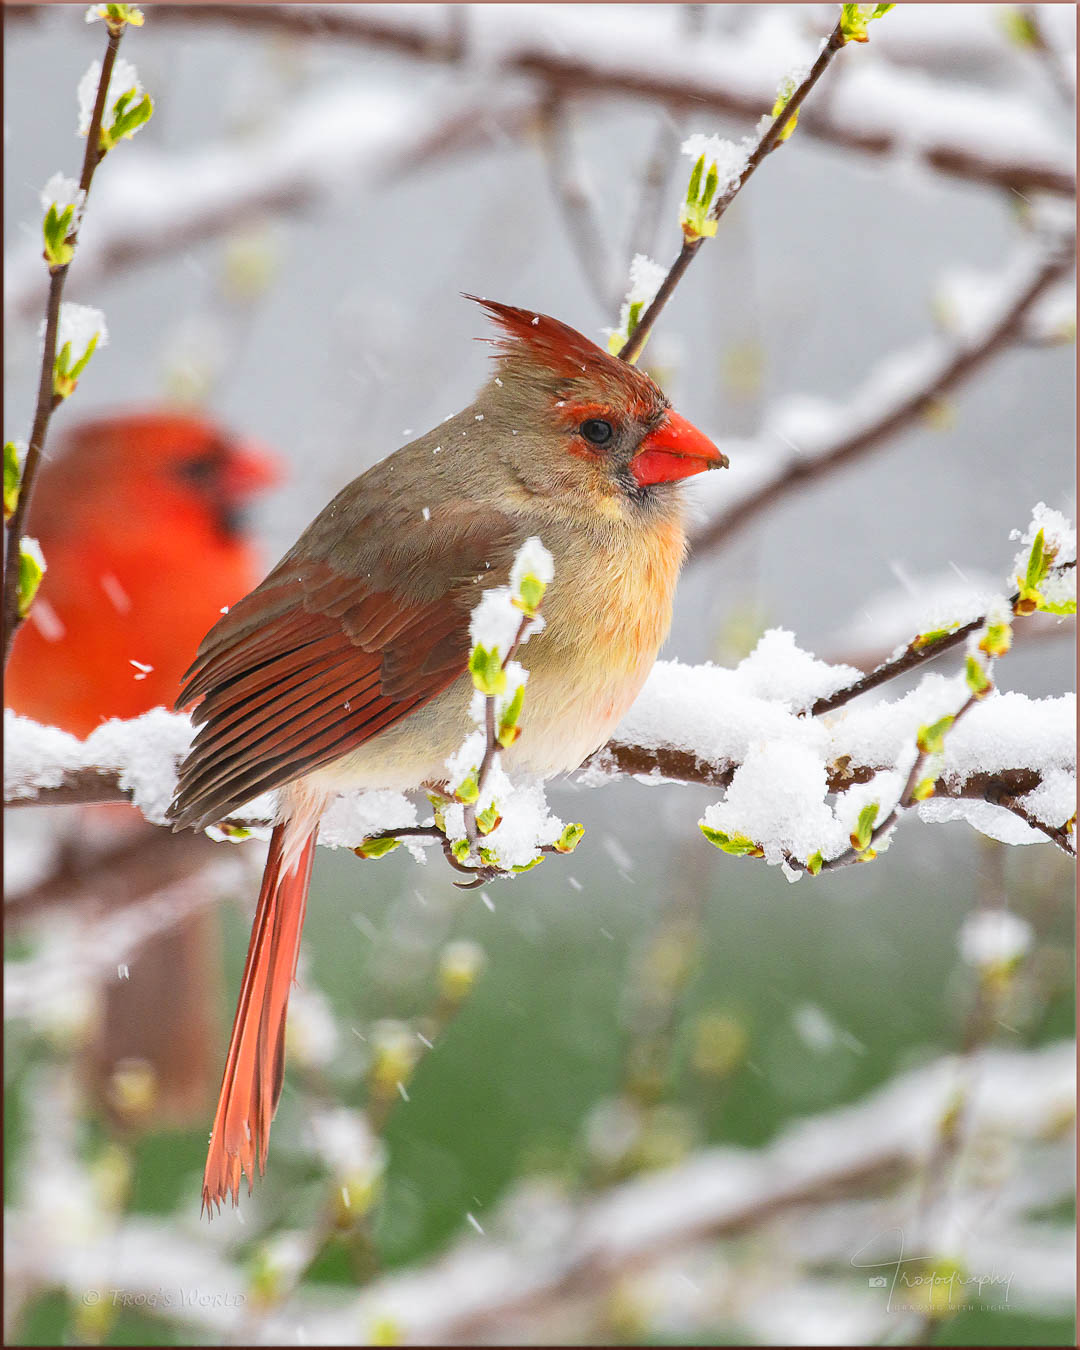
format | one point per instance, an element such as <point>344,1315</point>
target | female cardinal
<point>140,517</point>
<point>347,666</point>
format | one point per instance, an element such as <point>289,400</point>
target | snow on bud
<point>509,703</point>
<point>276,1264</point>
<point>494,622</point>
<point>728,158</point>
<point>1059,592</point>
<point>81,330</point>
<point>376,846</point>
<point>995,639</point>
<point>311,1034</point>
<point>719,164</point>
<point>115,16</point>
<point>931,739</point>
<point>462,767</point>
<point>646,278</point>
<point>353,1156</point>
<point>978,682</point>
<point>453,818</point>
<point>345,1143</point>
<point>460,966</point>
<point>993,938</point>
<point>532,573</point>
<point>32,568</point>
<point>1049,541</point>
<point>395,1051</point>
<point>526,826</point>
<point>62,202</point>
<point>81,325</point>
<point>854,19</point>
<point>88,88</point>
<point>127,107</point>
<point>62,192</point>
<point>783,98</point>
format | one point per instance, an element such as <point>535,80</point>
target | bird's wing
<point>322,656</point>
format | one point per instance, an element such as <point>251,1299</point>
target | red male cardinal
<point>140,520</point>
<point>347,666</point>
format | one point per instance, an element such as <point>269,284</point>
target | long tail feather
<point>255,1063</point>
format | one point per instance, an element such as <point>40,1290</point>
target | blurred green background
<point>548,1030</point>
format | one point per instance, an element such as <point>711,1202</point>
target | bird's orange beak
<point>675,449</point>
<point>250,468</point>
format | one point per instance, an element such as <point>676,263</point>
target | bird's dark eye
<point>597,431</point>
<point>200,469</point>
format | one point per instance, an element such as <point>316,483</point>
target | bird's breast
<point>607,614</point>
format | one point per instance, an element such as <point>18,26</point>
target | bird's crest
<point>564,350</point>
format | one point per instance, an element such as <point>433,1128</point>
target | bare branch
<point>956,363</point>
<point>662,157</point>
<point>578,208</point>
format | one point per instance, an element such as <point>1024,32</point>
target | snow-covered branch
<point>993,137</point>
<point>825,1200</point>
<point>1009,770</point>
<point>156,203</point>
<point>808,438</point>
<point>779,734</point>
<point>160,202</point>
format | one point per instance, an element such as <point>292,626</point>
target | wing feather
<point>317,660</point>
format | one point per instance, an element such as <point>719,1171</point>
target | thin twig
<point>658,166</point>
<point>766,143</point>
<point>913,656</point>
<point>858,852</point>
<point>47,399</point>
<point>957,364</point>
<point>1037,630</point>
<point>572,195</point>
<point>654,178</point>
<point>491,740</point>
